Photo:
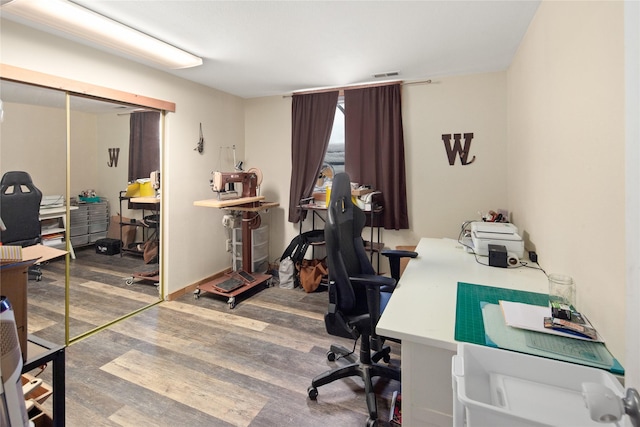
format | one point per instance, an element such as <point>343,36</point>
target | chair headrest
<point>16,178</point>
<point>341,186</point>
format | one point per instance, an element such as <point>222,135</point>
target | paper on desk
<point>531,317</point>
<point>585,352</point>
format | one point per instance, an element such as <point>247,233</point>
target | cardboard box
<point>128,231</point>
<point>361,191</point>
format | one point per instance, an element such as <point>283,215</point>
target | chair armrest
<point>374,285</point>
<point>373,280</point>
<point>398,253</point>
<point>394,256</point>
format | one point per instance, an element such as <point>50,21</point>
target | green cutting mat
<point>469,324</point>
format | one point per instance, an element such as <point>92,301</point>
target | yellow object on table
<point>140,189</point>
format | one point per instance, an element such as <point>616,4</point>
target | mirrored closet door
<point>33,139</point>
<point>77,150</point>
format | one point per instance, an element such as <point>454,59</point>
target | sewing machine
<point>223,184</point>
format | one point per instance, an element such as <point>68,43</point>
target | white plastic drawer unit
<point>256,266</point>
<point>259,249</point>
<point>258,235</point>
<point>493,387</point>
<point>79,230</point>
<point>98,226</point>
<point>94,237</point>
<point>80,240</point>
<point>80,215</point>
<point>98,212</point>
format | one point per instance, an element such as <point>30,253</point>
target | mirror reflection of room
<point>104,270</point>
<point>33,134</point>
<point>34,141</point>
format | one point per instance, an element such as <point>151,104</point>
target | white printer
<point>496,233</point>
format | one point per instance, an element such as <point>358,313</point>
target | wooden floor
<point>194,362</point>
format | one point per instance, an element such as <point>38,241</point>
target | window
<point>335,150</point>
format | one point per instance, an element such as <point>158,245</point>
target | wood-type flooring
<point>193,362</point>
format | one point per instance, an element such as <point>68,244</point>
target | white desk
<point>422,313</point>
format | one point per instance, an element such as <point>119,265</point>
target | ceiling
<point>263,48</point>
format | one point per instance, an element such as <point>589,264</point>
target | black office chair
<point>20,213</point>
<point>357,296</point>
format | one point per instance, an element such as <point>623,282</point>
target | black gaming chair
<point>357,296</point>
<point>20,212</point>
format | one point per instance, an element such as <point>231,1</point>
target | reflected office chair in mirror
<point>20,213</point>
<point>357,297</point>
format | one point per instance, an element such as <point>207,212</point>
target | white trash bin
<point>494,387</point>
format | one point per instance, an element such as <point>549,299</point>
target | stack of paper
<point>531,317</point>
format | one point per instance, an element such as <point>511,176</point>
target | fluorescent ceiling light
<point>73,19</point>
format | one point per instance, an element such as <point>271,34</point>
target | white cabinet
<point>259,249</point>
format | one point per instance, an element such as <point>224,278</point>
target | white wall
<point>268,145</point>
<point>112,132</point>
<point>34,140</point>
<point>440,196</point>
<point>566,153</point>
<point>193,237</point>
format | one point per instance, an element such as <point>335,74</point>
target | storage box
<point>95,199</point>
<point>494,387</point>
<point>108,246</point>
<point>140,189</point>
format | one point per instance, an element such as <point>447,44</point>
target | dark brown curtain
<point>312,121</point>
<point>374,147</point>
<point>144,144</point>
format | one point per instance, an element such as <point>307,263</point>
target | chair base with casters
<point>367,367</point>
<point>35,273</point>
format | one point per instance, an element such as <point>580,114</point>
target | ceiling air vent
<point>387,74</point>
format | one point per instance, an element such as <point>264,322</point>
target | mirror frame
<point>77,88</point>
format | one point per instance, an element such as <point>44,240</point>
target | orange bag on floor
<point>311,272</point>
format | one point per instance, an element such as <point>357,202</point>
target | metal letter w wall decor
<point>113,157</point>
<point>457,149</point>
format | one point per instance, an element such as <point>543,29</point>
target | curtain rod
<point>341,89</point>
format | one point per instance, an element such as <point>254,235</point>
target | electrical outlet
<point>228,245</point>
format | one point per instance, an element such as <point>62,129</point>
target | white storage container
<point>256,266</point>
<point>259,249</point>
<point>260,235</point>
<point>494,387</point>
